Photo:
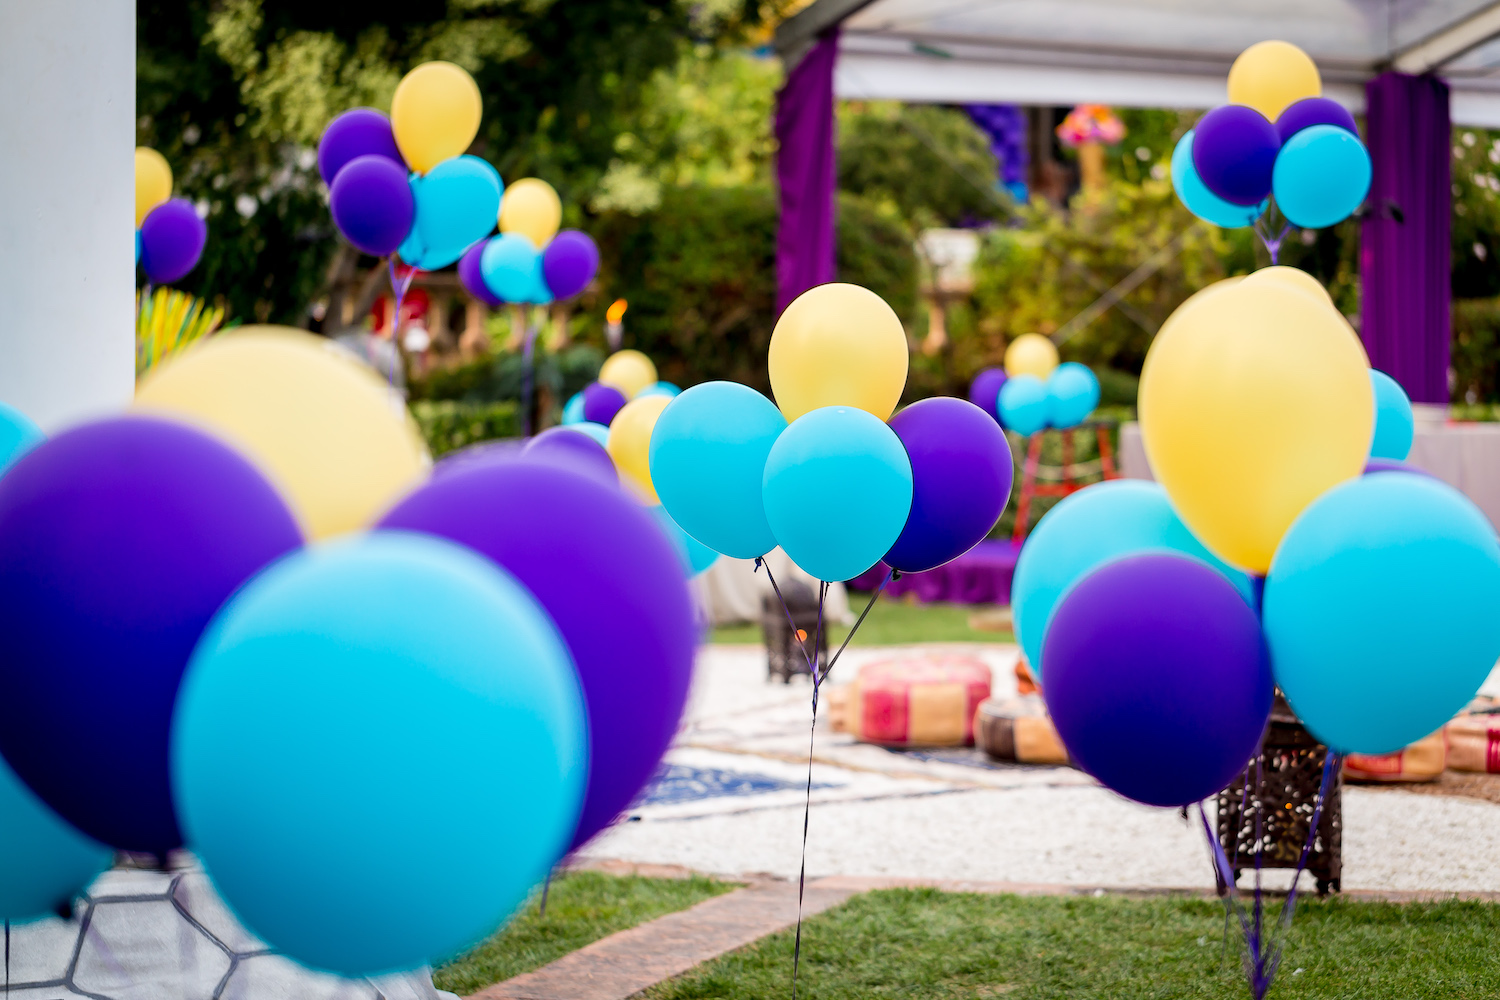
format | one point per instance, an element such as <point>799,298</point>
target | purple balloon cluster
<point>170,241</point>
<point>507,268</point>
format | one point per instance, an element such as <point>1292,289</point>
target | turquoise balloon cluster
<point>456,204</point>
<point>1027,404</point>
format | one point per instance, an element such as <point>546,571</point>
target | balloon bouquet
<point>513,635</point>
<point>403,186</point>
<point>169,241</point>
<point>826,472</point>
<point>1279,536</point>
<point>1032,391</point>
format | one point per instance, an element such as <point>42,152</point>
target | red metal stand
<point>1031,488</point>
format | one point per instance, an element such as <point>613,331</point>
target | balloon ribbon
<point>526,353</point>
<point>399,286</point>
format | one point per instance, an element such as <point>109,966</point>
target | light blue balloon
<point>1096,525</point>
<point>1380,610</point>
<point>457,204</point>
<point>18,435</point>
<point>44,861</point>
<point>696,557</point>
<point>1199,199</point>
<point>332,705</point>
<point>512,267</point>
<point>660,389</point>
<point>137,246</point>
<point>1322,175</point>
<point>1072,394</point>
<point>708,463</point>
<point>838,489</point>
<point>572,412</point>
<point>1394,424</point>
<point>598,432</point>
<point>1023,404</point>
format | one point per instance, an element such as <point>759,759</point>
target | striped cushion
<point>923,701</point>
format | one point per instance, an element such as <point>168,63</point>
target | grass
<point>582,907</point>
<point>916,944</point>
<point>892,621</point>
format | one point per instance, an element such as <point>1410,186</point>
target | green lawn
<point>581,907</point>
<point>891,622</point>
<point>925,944</point>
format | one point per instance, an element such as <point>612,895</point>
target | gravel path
<point>733,805</point>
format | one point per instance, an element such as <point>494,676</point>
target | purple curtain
<point>1404,252</point>
<point>805,173</point>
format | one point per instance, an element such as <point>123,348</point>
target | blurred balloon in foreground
<point>18,435</point>
<point>340,687</point>
<point>575,450</point>
<point>46,861</point>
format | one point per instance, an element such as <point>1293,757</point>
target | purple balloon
<point>601,402</point>
<point>1312,111</point>
<point>1373,465</point>
<point>503,449</point>
<point>118,541</point>
<point>610,579</point>
<point>1234,152</point>
<point>172,239</point>
<point>356,133</point>
<point>569,263</point>
<point>472,278</point>
<point>984,391</point>
<point>572,449</point>
<point>961,475</point>
<point>1158,679</point>
<point>372,204</point>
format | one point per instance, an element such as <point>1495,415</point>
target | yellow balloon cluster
<point>629,371</point>
<point>532,208</point>
<point>629,443</point>
<point>1272,76</point>
<point>838,345</point>
<point>322,425</point>
<point>153,182</point>
<point>435,114</point>
<point>1255,399</point>
<point>1031,354</point>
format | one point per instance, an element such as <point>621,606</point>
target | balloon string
<point>760,563</point>
<point>399,288</point>
<point>807,803</point>
<point>7,958</point>
<point>526,354</point>
<point>889,576</point>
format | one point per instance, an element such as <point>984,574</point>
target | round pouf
<point>923,701</point>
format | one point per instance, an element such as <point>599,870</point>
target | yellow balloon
<point>435,114</point>
<point>1254,403</point>
<point>322,425</point>
<point>1031,354</point>
<point>1292,277</point>
<point>838,345</point>
<point>629,443</point>
<point>629,371</point>
<point>153,181</point>
<point>1271,76</point>
<point>532,208</point>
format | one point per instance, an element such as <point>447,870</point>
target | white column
<point>67,207</point>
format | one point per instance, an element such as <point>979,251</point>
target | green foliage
<point>582,907</point>
<point>1476,351</point>
<point>699,272</point>
<point>892,622</point>
<point>922,944</point>
<point>1476,213</point>
<point>448,425</point>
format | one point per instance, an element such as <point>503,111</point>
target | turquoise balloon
<point>1072,394</point>
<point>696,557</point>
<point>1199,199</point>
<point>1023,404</point>
<point>511,267</point>
<point>331,710</point>
<point>1097,525</point>
<point>572,412</point>
<point>708,463</point>
<point>44,861</point>
<point>1380,610</point>
<point>598,432</point>
<point>660,389</point>
<point>1322,175</point>
<point>837,491</point>
<point>1394,425</point>
<point>18,435</point>
<point>457,204</point>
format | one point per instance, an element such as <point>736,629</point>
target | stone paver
<point>623,964</point>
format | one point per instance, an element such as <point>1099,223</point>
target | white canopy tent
<point>1144,53</point>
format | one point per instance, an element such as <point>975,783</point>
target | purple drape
<point>805,173</point>
<point>1404,253</point>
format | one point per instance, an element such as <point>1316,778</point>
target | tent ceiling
<point>1145,53</point>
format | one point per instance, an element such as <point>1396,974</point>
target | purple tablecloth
<point>979,576</point>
